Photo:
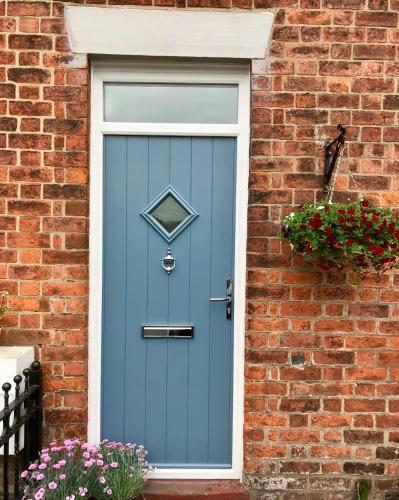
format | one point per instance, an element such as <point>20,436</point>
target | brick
<point>300,405</point>
<point>30,141</point>
<point>38,42</point>
<point>363,437</point>
<point>389,19</point>
<point>28,207</point>
<point>334,358</point>
<point>372,85</point>
<point>309,17</point>
<point>370,51</point>
<point>365,405</point>
<point>340,68</point>
<point>65,126</point>
<point>28,75</point>
<point>364,468</point>
<point>22,8</point>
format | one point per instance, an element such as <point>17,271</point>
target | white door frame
<point>171,72</point>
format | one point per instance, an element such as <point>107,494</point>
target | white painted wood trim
<point>184,73</point>
<point>169,33</point>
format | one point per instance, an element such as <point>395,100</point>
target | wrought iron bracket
<point>331,154</point>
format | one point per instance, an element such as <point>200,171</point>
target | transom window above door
<point>170,103</point>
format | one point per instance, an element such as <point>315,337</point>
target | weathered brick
<point>29,75</point>
<point>22,8</point>
<point>39,42</point>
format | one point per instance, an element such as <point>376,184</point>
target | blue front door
<point>173,395</point>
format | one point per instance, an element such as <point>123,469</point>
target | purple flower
<point>52,485</point>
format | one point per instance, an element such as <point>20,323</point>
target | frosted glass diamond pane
<point>169,213</point>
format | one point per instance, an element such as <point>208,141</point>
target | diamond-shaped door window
<point>169,214</point>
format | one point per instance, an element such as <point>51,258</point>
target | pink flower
<point>86,454</point>
<point>24,473</point>
<point>42,466</point>
<point>102,479</point>
<point>114,465</point>
<point>109,491</point>
<point>82,491</point>
<point>39,494</point>
<point>39,477</point>
<point>89,463</point>
<point>52,485</point>
<point>62,462</point>
<point>62,476</point>
<point>32,466</point>
<point>100,462</point>
<point>56,466</point>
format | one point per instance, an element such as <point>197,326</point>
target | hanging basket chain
<point>345,164</point>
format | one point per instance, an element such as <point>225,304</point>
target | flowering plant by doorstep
<point>76,470</point>
<point>359,235</point>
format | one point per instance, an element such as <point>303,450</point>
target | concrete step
<point>194,490</point>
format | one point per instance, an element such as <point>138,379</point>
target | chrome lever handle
<point>228,299</point>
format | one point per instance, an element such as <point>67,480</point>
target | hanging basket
<point>358,236</point>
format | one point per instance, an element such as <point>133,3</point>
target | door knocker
<point>168,262</point>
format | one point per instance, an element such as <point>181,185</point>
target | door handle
<point>228,299</point>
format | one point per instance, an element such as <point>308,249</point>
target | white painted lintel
<point>168,33</point>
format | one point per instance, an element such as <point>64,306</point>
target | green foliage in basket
<point>359,235</point>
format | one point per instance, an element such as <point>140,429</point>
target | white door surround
<point>170,73</point>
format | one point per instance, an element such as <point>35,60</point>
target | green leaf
<point>363,489</point>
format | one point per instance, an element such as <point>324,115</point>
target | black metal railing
<point>25,410</point>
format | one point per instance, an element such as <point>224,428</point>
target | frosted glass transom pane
<point>169,213</point>
<point>170,103</point>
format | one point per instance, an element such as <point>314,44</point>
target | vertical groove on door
<point>180,158</point>
<point>199,303</point>
<point>210,293</point>
<point>137,237</point>
<point>114,287</point>
<point>158,177</point>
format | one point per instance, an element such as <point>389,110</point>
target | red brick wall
<point>322,352</point>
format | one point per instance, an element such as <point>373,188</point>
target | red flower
<point>365,203</point>
<point>350,242</point>
<point>376,249</point>
<point>328,230</point>
<point>315,222</point>
<point>391,227</point>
